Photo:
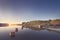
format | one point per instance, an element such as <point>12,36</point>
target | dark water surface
<point>28,34</point>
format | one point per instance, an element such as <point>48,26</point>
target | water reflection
<point>27,33</point>
<point>53,31</point>
<point>42,28</point>
<point>35,28</point>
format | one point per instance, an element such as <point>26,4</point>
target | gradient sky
<point>17,11</point>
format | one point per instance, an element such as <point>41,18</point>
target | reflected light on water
<point>8,28</point>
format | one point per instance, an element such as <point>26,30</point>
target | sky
<point>18,11</point>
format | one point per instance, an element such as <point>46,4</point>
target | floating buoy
<point>16,30</point>
<point>12,34</point>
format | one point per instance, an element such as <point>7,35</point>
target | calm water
<point>28,34</point>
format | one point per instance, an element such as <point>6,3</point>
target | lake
<point>28,33</point>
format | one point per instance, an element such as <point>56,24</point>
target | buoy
<point>16,30</point>
<point>12,34</point>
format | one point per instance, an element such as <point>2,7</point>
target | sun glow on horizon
<point>11,23</point>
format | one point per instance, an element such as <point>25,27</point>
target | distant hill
<point>4,24</point>
<point>42,23</point>
<point>55,22</point>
